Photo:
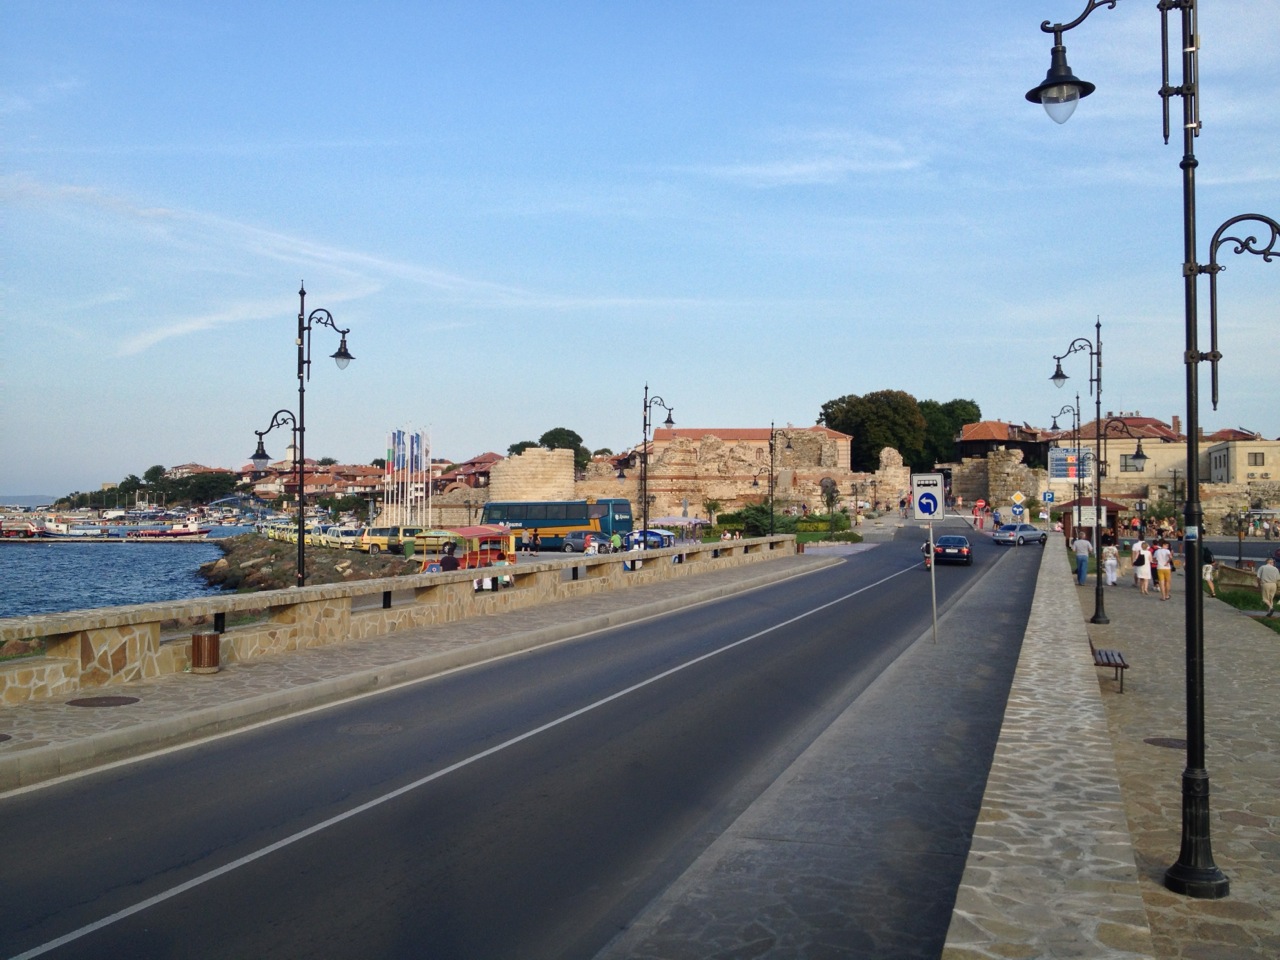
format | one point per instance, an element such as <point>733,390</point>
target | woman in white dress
<point>1142,566</point>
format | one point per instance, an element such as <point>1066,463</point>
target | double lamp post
<point>1059,379</point>
<point>342,356</point>
<point>1194,874</point>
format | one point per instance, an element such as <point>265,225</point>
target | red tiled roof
<point>986,430</point>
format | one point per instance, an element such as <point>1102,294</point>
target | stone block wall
<point>535,474</point>
<point>116,645</point>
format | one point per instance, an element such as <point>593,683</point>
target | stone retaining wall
<point>112,646</point>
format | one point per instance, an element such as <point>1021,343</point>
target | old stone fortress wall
<point>731,466</point>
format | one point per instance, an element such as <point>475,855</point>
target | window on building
<point>1257,459</point>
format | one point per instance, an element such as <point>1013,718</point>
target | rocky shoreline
<point>251,562</point>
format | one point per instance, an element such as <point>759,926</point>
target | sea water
<point>52,577</point>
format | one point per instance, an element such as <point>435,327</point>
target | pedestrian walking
<point>1110,563</point>
<point>1268,577</point>
<point>1163,558</point>
<point>1142,566</point>
<point>1210,576</point>
<point>1083,548</point>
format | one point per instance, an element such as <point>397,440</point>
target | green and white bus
<point>552,519</point>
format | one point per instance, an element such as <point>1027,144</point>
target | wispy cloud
<point>13,101</point>
<point>825,156</point>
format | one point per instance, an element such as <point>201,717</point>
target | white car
<point>341,538</point>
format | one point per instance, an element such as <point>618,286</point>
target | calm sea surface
<point>50,577</point>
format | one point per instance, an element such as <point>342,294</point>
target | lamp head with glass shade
<point>1059,378</point>
<point>1061,90</point>
<point>342,356</point>
<point>260,459</point>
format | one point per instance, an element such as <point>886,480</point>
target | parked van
<point>376,540</point>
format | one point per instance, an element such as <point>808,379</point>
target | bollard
<point>206,652</point>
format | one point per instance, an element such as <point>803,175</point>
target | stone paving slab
<point>50,738</point>
<point>1242,735</point>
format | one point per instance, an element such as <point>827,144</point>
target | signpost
<point>929,499</point>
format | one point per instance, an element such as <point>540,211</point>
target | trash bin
<point>408,548</point>
<point>206,652</point>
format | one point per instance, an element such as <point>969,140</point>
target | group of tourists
<point>1144,557</point>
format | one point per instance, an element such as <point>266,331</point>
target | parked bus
<point>552,519</point>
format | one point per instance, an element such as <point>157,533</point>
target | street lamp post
<point>1194,874</point>
<point>773,437</point>
<point>261,458</point>
<point>1059,379</point>
<point>342,356</point>
<point>1075,438</point>
<point>1138,456</point>
<point>649,404</point>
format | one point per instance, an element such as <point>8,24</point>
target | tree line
<point>923,431</point>
<point>155,488</point>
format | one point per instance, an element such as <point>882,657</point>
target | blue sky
<point>525,211</point>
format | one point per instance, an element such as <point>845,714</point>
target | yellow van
<point>376,540</point>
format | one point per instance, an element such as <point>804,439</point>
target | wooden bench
<point>1110,658</point>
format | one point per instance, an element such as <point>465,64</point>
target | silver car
<point>1019,533</point>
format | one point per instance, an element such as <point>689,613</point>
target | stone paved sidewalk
<point>1242,734</point>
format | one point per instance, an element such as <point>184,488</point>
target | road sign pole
<point>933,581</point>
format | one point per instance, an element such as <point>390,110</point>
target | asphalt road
<point>529,807</point>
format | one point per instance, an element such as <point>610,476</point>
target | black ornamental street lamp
<point>1116,425</point>
<point>649,404</point>
<point>261,459</point>
<point>773,440</point>
<point>1138,458</point>
<point>1194,874</point>
<point>1075,439</point>
<point>1094,349</point>
<point>342,356</point>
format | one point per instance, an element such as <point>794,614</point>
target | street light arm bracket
<point>279,419</point>
<point>1249,243</point>
<point>1058,29</point>
<point>322,317</point>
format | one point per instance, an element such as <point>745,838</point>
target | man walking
<point>1268,577</point>
<point>1083,548</point>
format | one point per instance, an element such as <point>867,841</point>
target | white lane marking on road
<point>423,781</point>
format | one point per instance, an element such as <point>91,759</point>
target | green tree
<point>942,425</point>
<point>205,487</point>
<point>518,448</point>
<point>326,462</point>
<point>379,462</point>
<point>562,438</point>
<point>886,418</point>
